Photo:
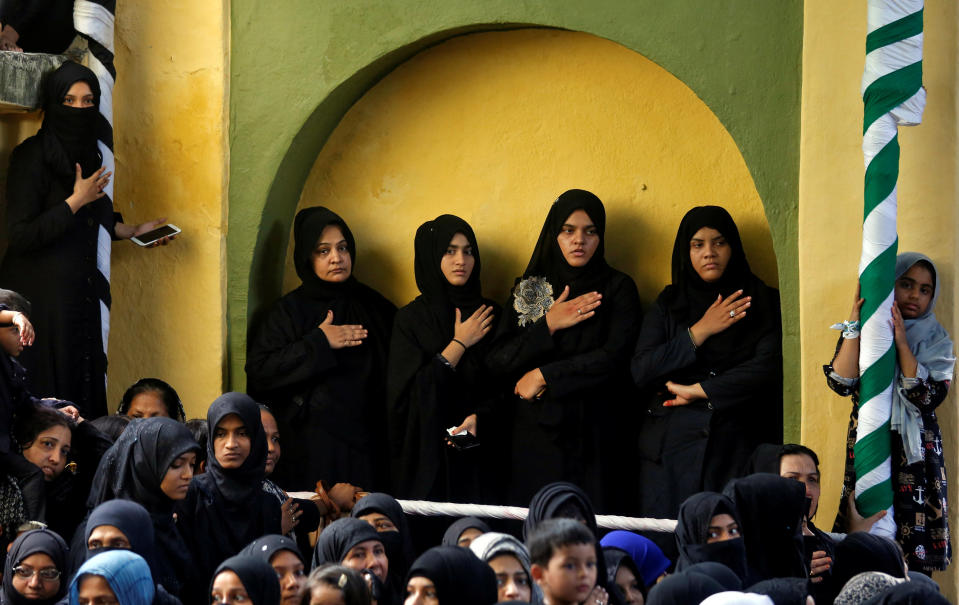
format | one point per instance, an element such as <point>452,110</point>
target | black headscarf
<point>860,552</point>
<point>136,464</point>
<point>339,537</point>
<point>684,588</point>
<point>432,240</point>
<point>458,575</point>
<point>616,558</point>
<point>30,543</point>
<point>453,532</point>
<point>548,260</point>
<point>783,591</point>
<point>257,576</point>
<point>131,519</point>
<point>308,226</point>
<point>70,134</point>
<point>689,296</point>
<point>265,547</point>
<point>398,544</point>
<point>565,500</point>
<point>692,529</point>
<point>771,510</point>
<point>718,572</point>
<point>909,593</point>
<point>236,485</point>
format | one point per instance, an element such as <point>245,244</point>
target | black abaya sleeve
<point>281,355</point>
<point>517,348</point>
<point>740,384</point>
<point>595,367</point>
<point>659,353</point>
<point>33,225</point>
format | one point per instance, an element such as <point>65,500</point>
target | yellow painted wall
<point>494,126</point>
<point>830,212</point>
<point>170,126</point>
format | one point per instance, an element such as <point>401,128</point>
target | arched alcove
<point>493,126</point>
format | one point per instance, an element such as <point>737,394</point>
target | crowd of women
<point>452,398</point>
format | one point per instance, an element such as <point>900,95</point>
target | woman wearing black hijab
<point>319,360</point>
<point>226,508</point>
<point>285,558</point>
<point>244,578</point>
<point>707,529</point>
<point>565,341</point>
<point>152,463</point>
<point>709,361</point>
<point>40,550</point>
<point>57,217</point>
<point>456,534</point>
<point>857,553</point>
<point>437,376</point>
<point>771,511</point>
<point>456,576</point>
<point>385,514</point>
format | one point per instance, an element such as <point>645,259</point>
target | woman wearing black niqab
<point>57,215</point>
<point>771,510</point>
<point>437,376</point>
<point>567,353</point>
<point>457,574</point>
<point>226,507</point>
<point>692,534</point>
<point>319,360</point>
<point>133,469</point>
<point>709,362</point>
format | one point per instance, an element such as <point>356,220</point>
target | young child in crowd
<point>563,556</point>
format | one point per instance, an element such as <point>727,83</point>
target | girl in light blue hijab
<point>925,362</point>
<point>126,574</point>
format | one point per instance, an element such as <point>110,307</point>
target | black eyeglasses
<point>48,573</point>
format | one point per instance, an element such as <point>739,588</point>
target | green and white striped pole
<point>892,95</point>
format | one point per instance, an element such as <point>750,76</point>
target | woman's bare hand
<point>683,394</point>
<point>290,516</point>
<point>25,327</point>
<point>86,190</point>
<point>471,330</point>
<point>350,335</point>
<point>820,564</point>
<point>856,521</point>
<point>469,425</point>
<point>567,313</point>
<point>531,385</point>
<point>720,315</point>
<point>857,304</point>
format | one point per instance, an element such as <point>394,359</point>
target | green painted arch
<point>296,67</point>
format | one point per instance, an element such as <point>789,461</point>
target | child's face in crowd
<point>50,451</point>
<point>914,290</point>
<point>421,591</point>
<point>176,481</point>
<point>570,575</point>
<point>324,594</point>
<point>368,555</point>
<point>512,583</point>
<point>272,440</point>
<point>802,468</point>
<point>10,341</point>
<point>147,405</point>
<point>721,528</point>
<point>289,569</point>
<point>231,442</point>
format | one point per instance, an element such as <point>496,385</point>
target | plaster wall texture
<point>830,214</point>
<point>494,126</point>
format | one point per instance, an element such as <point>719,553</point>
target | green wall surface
<point>297,66</point>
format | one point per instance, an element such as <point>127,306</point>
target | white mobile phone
<point>150,237</point>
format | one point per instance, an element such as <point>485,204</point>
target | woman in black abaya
<point>437,376</point>
<point>149,464</point>
<point>709,361</point>
<point>319,360</point>
<point>707,529</point>
<point>565,341</point>
<point>226,508</point>
<point>57,219</point>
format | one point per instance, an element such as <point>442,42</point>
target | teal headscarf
<point>126,572</point>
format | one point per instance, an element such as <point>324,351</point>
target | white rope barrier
<point>449,509</point>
